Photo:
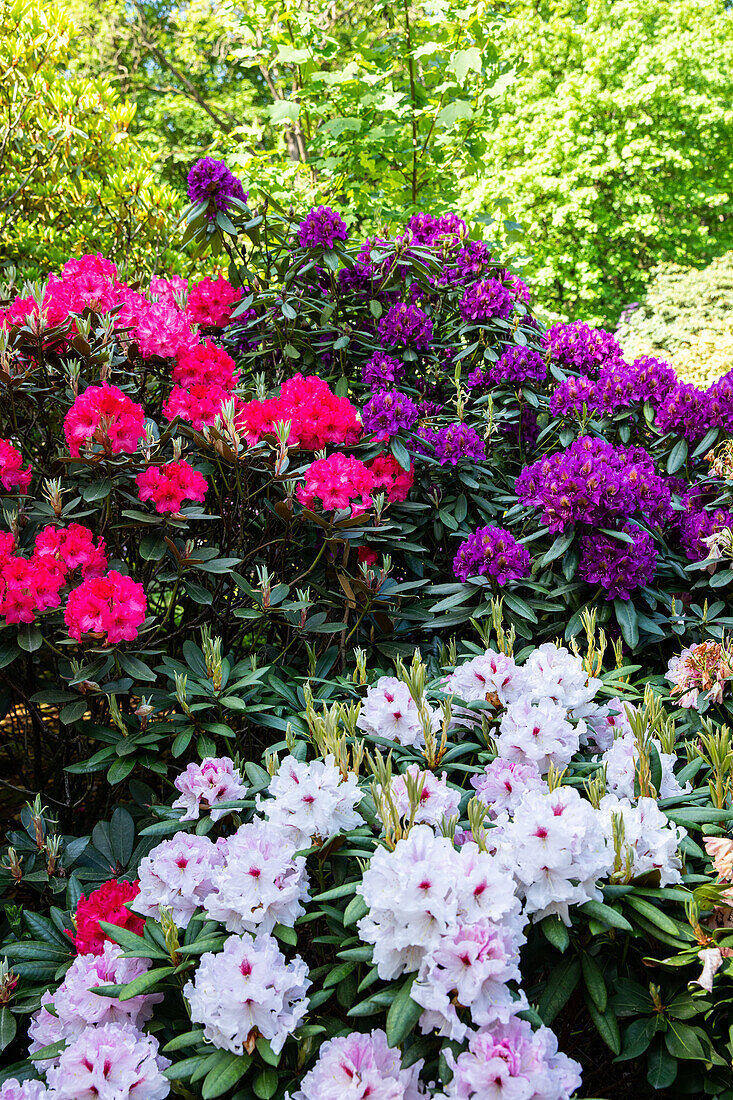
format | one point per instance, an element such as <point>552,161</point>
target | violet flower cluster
<point>578,347</point>
<point>406,326</point>
<point>492,552</point>
<point>381,370</point>
<point>322,227</point>
<point>592,482</point>
<point>484,301</point>
<point>618,566</point>
<point>453,443</point>
<point>210,181</point>
<point>388,412</point>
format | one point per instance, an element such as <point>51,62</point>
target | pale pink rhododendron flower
<point>311,801</point>
<point>113,1062</point>
<point>437,799</point>
<point>205,785</point>
<point>178,874</point>
<point>360,1067</point>
<point>259,882</point>
<point>389,711</point>
<point>248,989</point>
<point>503,784</point>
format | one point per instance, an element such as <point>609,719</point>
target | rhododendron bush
<point>218,494</point>
<point>431,882</point>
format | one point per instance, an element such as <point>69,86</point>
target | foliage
<point>685,317</point>
<point>610,144</point>
<point>72,177</point>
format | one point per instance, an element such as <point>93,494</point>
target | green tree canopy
<point>613,145</point>
<point>71,177</point>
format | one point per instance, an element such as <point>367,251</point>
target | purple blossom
<point>321,226</point>
<point>427,229</point>
<point>466,265</point>
<point>387,412</point>
<point>406,326</point>
<point>519,364</point>
<point>492,552</point>
<point>485,301</point>
<point>571,395</point>
<point>654,379</point>
<point>593,481</point>
<point>685,412</point>
<point>696,525</point>
<point>578,347</point>
<point>453,443</point>
<point>381,370</point>
<point>211,181</point>
<point>619,567</point>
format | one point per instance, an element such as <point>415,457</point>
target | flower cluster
<point>321,227</point>
<point>705,667</point>
<point>211,302</point>
<point>389,478</point>
<point>112,1062</point>
<point>451,915</point>
<point>316,415</point>
<point>516,364</point>
<point>205,785</point>
<point>389,711</point>
<point>360,1066</point>
<point>210,181</point>
<point>381,370</point>
<point>337,482</point>
<point>621,761</point>
<point>177,874</point>
<point>104,415</point>
<point>388,412</point>
<point>199,404</point>
<point>618,566</point>
<point>538,733</point>
<point>32,585</point>
<point>484,301</point>
<point>436,799</point>
<point>406,326</point>
<point>580,348</point>
<point>246,990</point>
<point>592,482</point>
<point>492,552</point>
<point>110,904</point>
<point>113,606</point>
<point>644,838</point>
<point>556,850</point>
<point>311,802</point>
<point>12,474</point>
<point>512,1060</point>
<point>503,784</point>
<point>170,484</point>
<point>205,364</point>
<point>453,443</point>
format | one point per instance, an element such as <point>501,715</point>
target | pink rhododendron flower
<point>199,404</point>
<point>207,784</point>
<point>113,605</point>
<point>211,301</point>
<point>170,484</point>
<point>337,482</point>
<point>104,415</point>
<point>204,364</point>
<point>12,474</point>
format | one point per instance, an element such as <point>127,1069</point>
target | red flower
<point>107,904</point>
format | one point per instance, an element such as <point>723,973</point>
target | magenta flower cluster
<point>406,326</point>
<point>580,348</point>
<point>618,566</point>
<point>322,227</point>
<point>516,364</point>
<point>492,552</point>
<point>593,481</point>
<point>485,301</point>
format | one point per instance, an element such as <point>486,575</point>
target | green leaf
<point>403,1014</point>
<point>454,112</point>
<point>224,1075</point>
<point>559,546</point>
<point>355,910</point>
<point>594,981</point>
<point>29,637</point>
<point>653,914</point>
<point>462,61</point>
<point>677,456</point>
<point>559,988</point>
<point>265,1084</point>
<point>145,982</point>
<point>683,1042</point>
<point>606,1025</point>
<point>661,1067</point>
<point>555,932</point>
<point>627,621</point>
<point>135,668</point>
<point>8,1027</point>
<point>637,1037</point>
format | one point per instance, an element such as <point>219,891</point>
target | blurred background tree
<point>72,179</point>
<point>601,127</point>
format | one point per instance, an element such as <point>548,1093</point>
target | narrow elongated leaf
<point>403,1014</point>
